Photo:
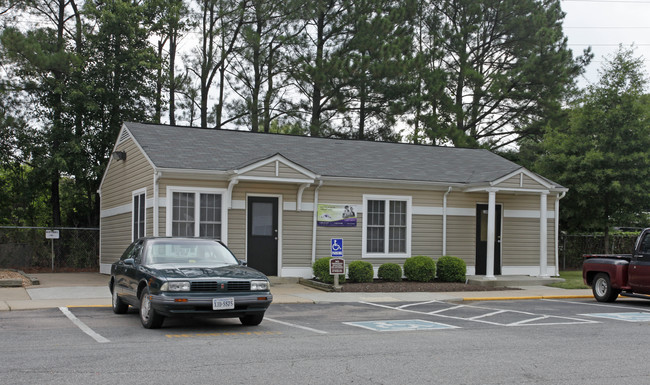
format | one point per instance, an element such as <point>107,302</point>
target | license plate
<point>223,303</point>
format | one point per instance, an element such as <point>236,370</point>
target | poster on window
<point>337,215</point>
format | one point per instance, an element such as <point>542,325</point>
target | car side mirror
<point>129,261</point>
<point>243,263</point>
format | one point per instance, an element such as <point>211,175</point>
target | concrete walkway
<point>91,289</point>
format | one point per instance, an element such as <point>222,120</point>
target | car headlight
<point>175,286</point>
<point>259,285</point>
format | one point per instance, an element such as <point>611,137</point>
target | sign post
<point>52,235</point>
<point>337,263</point>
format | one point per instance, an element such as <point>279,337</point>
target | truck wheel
<point>602,288</point>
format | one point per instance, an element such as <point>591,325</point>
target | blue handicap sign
<point>337,247</point>
<point>400,325</point>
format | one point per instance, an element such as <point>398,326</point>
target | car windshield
<point>191,253</point>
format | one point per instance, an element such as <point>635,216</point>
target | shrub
<point>391,272</point>
<point>420,268</point>
<point>360,271</point>
<point>321,269</point>
<point>451,269</point>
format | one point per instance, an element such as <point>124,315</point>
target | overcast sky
<point>603,25</point>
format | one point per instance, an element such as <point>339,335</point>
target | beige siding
<point>520,242</point>
<point>524,202</point>
<point>124,177</point>
<point>268,171</point>
<point>461,238</point>
<point>296,238</point>
<point>354,195</point>
<point>467,200</point>
<point>115,237</point>
<point>163,183</point>
<point>426,236</point>
<point>514,182</point>
<point>121,179</point>
<point>352,238</point>
<point>531,183</point>
<point>237,233</point>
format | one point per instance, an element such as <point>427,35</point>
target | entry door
<point>481,239</point>
<point>639,269</point>
<point>263,234</point>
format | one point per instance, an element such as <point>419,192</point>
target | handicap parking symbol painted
<point>630,317</point>
<point>400,325</point>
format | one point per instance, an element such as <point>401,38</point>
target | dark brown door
<point>481,240</point>
<point>263,234</point>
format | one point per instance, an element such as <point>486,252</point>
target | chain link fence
<point>27,248</point>
<point>573,247</point>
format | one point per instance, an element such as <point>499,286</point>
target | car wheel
<point>148,316</point>
<point>252,320</point>
<point>602,288</point>
<point>119,306</point>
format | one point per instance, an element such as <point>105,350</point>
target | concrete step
<point>512,280</point>
<point>282,280</point>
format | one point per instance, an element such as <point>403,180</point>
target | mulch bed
<point>411,286</point>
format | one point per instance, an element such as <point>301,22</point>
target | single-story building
<point>280,202</point>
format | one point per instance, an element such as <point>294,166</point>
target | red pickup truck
<point>626,274</point>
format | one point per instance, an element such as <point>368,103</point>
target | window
<point>386,228</point>
<point>195,214</point>
<point>138,214</point>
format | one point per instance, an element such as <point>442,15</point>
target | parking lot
<point>542,341</point>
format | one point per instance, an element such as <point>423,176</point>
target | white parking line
<point>83,326</point>
<point>588,303</point>
<point>493,312</point>
<point>295,326</point>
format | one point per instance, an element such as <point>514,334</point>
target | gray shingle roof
<point>224,150</point>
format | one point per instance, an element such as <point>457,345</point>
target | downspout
<point>557,232</point>
<point>231,186</point>
<point>301,189</point>
<point>156,205</point>
<point>444,222</point>
<point>315,224</point>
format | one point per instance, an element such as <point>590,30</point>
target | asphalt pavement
<point>91,289</point>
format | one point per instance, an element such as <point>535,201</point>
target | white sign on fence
<point>51,234</point>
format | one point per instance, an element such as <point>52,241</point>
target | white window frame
<point>409,224</point>
<point>197,191</point>
<point>134,214</point>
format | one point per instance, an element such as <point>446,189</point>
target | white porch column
<point>491,226</point>
<point>543,241</point>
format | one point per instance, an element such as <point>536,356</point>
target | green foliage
<point>602,153</point>
<point>573,280</point>
<point>451,269</point>
<point>420,268</point>
<point>360,271</point>
<point>321,269</point>
<point>391,272</point>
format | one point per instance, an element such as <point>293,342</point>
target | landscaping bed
<point>411,286</point>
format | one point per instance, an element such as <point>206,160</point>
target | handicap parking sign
<point>337,247</point>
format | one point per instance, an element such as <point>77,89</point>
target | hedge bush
<point>321,269</point>
<point>391,272</point>
<point>360,271</point>
<point>451,269</point>
<point>420,268</point>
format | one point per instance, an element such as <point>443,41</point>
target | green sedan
<point>175,277</point>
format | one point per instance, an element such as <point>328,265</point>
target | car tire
<point>119,306</point>
<point>252,319</point>
<point>148,316</point>
<point>602,288</point>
